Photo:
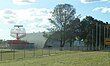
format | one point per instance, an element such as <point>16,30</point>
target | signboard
<point>107,41</point>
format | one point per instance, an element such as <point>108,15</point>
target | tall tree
<point>86,30</point>
<point>73,30</point>
<point>93,30</point>
<point>61,17</point>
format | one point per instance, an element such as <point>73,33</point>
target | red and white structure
<point>18,32</point>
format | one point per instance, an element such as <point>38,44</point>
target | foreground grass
<point>68,58</point>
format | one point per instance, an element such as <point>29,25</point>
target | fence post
<point>55,51</point>
<point>1,55</point>
<point>49,47</point>
<point>24,52</point>
<point>13,53</point>
<point>34,52</point>
<point>49,51</point>
<point>42,51</point>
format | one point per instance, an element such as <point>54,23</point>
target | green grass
<point>64,58</point>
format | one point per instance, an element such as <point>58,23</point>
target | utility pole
<point>104,36</point>
<point>107,26</point>
<point>96,36</point>
<point>99,36</point>
<point>107,31</point>
<point>92,38</point>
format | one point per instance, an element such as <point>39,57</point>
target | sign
<point>107,41</point>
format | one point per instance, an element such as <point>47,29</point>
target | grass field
<point>65,58</point>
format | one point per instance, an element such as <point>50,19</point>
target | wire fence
<point>18,55</point>
<point>15,54</point>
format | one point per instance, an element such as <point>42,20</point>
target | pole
<point>1,55</point>
<point>107,32</point>
<point>104,35</point>
<point>49,51</point>
<point>107,35</point>
<point>34,52</point>
<point>99,36</point>
<point>92,38</point>
<point>24,53</point>
<point>96,36</point>
<point>42,52</point>
<point>13,53</point>
<point>107,26</point>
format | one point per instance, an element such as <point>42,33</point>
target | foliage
<point>92,30</point>
<point>62,16</point>
<point>72,30</point>
<point>64,22</point>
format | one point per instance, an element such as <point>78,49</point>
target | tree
<point>86,30</point>
<point>92,30</point>
<point>73,30</point>
<point>61,17</point>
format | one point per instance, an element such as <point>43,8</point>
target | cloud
<point>88,1</point>
<point>30,15</point>
<point>106,0</point>
<point>32,18</point>
<point>36,27</point>
<point>1,30</point>
<point>24,2</point>
<point>102,9</point>
<point>91,1</point>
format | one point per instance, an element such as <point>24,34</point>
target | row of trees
<point>69,26</point>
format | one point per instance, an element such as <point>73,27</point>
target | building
<point>37,38</point>
<point>41,42</point>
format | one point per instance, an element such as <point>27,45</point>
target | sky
<point>34,14</point>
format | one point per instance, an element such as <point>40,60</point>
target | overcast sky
<point>34,14</point>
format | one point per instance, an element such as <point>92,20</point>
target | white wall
<point>36,38</point>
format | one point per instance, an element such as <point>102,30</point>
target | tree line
<point>68,26</point>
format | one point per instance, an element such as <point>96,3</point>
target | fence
<point>14,54</point>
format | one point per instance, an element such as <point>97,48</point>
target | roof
<point>36,38</point>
